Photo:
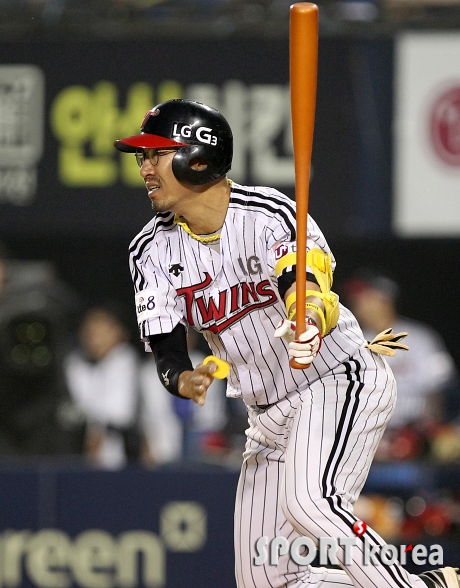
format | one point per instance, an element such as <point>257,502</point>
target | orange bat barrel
<point>303,78</point>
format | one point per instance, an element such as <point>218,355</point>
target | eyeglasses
<point>153,155</point>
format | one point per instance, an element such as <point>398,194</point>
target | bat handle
<point>299,322</point>
<point>298,366</point>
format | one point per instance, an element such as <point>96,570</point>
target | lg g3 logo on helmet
<point>202,134</point>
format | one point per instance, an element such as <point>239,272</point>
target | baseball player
<point>221,258</point>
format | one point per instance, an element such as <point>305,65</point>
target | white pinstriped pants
<point>307,458</point>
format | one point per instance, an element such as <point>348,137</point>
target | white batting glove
<point>306,348</point>
<point>286,330</point>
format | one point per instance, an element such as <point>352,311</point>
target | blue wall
<point>78,527</point>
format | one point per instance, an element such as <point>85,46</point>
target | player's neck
<point>205,212</point>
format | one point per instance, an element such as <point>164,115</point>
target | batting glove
<point>307,346</point>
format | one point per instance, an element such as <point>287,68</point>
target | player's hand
<point>306,348</point>
<point>194,384</point>
<point>286,330</point>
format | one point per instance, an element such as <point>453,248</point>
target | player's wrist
<point>310,320</point>
<point>183,382</point>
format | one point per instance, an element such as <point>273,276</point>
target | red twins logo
<point>232,306</point>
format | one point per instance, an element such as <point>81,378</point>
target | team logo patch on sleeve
<point>284,249</point>
<point>147,304</point>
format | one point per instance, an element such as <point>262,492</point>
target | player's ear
<point>198,164</point>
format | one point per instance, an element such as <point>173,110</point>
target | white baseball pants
<point>307,458</point>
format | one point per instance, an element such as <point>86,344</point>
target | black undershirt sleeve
<point>171,356</point>
<point>286,279</point>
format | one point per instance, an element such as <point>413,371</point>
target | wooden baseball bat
<point>303,66</point>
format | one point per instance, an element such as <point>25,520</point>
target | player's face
<point>164,190</point>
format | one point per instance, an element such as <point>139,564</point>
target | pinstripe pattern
<point>239,308</point>
<point>306,461</point>
<point>312,433</point>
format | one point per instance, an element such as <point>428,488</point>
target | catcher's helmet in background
<point>199,131</point>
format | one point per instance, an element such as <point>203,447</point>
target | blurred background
<point>105,479</point>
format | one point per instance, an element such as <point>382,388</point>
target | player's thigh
<point>336,430</point>
<point>258,514</point>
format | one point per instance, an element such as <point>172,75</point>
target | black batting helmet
<point>198,130</point>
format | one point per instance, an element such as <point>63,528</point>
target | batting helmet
<point>198,130</point>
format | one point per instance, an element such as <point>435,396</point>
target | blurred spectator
<point>161,425</point>
<point>35,307</point>
<point>205,429</point>
<point>177,428</point>
<point>102,376</point>
<point>425,374</point>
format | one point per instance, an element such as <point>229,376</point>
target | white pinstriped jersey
<point>232,296</point>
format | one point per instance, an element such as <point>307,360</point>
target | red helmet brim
<point>146,141</point>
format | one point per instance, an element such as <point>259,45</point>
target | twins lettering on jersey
<point>233,304</point>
